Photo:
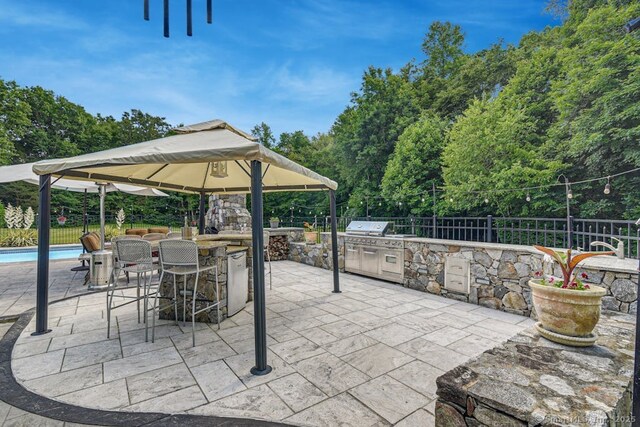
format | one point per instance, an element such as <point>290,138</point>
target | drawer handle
<point>391,259</point>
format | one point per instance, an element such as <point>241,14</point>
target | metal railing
<point>552,232</point>
<point>70,231</point>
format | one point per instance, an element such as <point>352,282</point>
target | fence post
<point>435,227</point>
<point>489,228</point>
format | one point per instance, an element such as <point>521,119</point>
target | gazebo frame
<point>256,190</point>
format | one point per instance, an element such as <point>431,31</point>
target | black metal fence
<point>69,230</point>
<point>551,232</point>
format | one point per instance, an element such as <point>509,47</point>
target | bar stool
<point>180,258</point>
<point>134,256</point>
<point>117,270</point>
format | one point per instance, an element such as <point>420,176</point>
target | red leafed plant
<point>568,263</point>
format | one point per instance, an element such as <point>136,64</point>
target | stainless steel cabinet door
<point>352,257</point>
<point>237,282</point>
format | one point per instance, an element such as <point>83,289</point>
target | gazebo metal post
<point>42,287</point>
<point>201,213</point>
<point>334,241</point>
<point>259,304</point>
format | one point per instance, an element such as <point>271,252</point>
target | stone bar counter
<point>212,250</point>
<point>532,381</point>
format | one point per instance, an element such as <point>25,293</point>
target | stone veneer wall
<point>499,273</point>
<point>318,255</point>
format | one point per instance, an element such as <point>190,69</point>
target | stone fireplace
<point>229,212</point>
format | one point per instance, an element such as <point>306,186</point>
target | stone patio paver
<point>389,398</point>
<point>347,359</point>
<point>342,410</point>
<point>297,392</point>
<point>377,359</point>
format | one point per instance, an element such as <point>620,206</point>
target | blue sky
<point>289,63</point>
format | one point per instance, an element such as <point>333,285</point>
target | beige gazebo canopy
<point>209,157</point>
<point>187,161</point>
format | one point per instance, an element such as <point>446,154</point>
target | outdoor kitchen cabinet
<point>382,258</point>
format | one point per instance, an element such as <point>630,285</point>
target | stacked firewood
<point>278,248</point>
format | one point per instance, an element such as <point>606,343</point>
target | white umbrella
<point>24,172</point>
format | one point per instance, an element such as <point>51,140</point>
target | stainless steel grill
<point>371,252</point>
<point>368,228</point>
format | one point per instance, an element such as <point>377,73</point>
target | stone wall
<point>317,255</point>
<point>500,274</point>
<point>532,381</point>
<point>229,212</point>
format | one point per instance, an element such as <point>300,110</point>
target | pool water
<point>31,254</point>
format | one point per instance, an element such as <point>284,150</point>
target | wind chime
<point>189,15</point>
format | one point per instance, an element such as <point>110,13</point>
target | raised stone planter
<point>532,381</point>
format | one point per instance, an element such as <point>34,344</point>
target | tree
<point>14,119</point>
<point>264,134</point>
<point>415,165</point>
<point>596,96</point>
<point>443,47</point>
<point>366,132</point>
<point>490,151</point>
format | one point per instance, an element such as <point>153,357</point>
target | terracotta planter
<point>311,236</point>
<point>565,311</point>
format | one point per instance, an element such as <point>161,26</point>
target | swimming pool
<point>31,254</point>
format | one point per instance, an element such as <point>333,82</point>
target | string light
<point>607,187</point>
<point>423,200</point>
<point>486,200</point>
<point>451,199</point>
<point>528,197</point>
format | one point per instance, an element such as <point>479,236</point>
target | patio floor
<point>367,356</point>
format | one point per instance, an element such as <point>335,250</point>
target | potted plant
<point>310,233</point>
<point>568,308</point>
<point>62,219</point>
<point>274,222</point>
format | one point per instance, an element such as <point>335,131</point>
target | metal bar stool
<point>117,270</point>
<point>134,256</point>
<point>180,258</point>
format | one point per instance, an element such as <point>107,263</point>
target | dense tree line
<point>36,124</point>
<point>565,100</point>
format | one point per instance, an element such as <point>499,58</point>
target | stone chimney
<point>229,212</point>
